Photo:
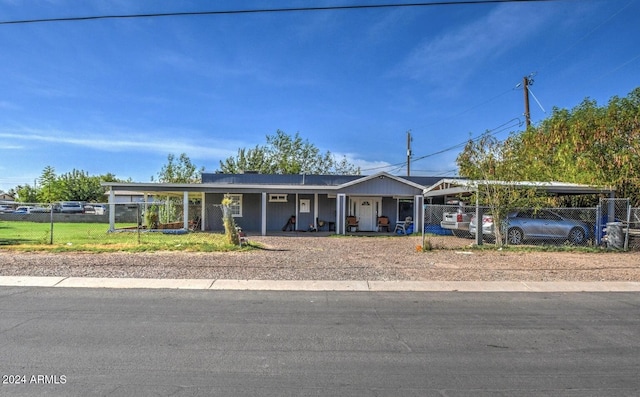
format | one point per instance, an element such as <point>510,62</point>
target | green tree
<point>78,185</point>
<point>588,144</point>
<point>284,154</point>
<point>49,190</point>
<point>26,194</point>
<point>494,169</point>
<point>181,170</point>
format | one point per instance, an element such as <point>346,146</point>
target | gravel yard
<point>304,257</point>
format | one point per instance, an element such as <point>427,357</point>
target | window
<point>277,198</point>
<point>405,208</point>
<point>236,204</point>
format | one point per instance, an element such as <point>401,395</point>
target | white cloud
<point>453,56</point>
<point>154,143</point>
<point>6,146</point>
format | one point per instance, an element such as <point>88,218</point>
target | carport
<point>453,188</point>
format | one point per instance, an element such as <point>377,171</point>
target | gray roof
<point>451,187</point>
<point>300,179</point>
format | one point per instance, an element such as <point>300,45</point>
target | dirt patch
<point>306,257</point>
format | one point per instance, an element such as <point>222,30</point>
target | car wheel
<point>576,236</point>
<point>515,236</point>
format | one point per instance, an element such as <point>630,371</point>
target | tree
<point>588,144</point>
<point>78,185</point>
<point>176,171</point>
<point>49,188</point>
<point>494,167</point>
<point>284,154</point>
<point>179,171</point>
<point>25,194</point>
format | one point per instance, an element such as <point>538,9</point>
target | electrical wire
<point>616,68</point>
<point>584,37</point>
<point>494,131</point>
<point>266,10</point>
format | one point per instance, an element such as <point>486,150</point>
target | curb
<point>321,285</point>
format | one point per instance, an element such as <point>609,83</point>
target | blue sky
<point>119,95</point>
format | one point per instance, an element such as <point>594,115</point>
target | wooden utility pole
<point>527,113</point>
<point>409,153</point>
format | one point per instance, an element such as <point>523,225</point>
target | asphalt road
<point>108,342</point>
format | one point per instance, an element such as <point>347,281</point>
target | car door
<point>552,225</point>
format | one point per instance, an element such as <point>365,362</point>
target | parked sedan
<point>487,225</point>
<point>71,207</point>
<point>41,210</point>
<point>6,209</point>
<point>24,209</point>
<point>537,225</point>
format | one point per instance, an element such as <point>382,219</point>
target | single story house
<point>263,203</point>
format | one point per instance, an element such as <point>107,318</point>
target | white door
<point>366,208</point>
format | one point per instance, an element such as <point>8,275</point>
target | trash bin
<point>615,235</point>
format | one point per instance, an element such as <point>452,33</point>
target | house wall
<point>251,212</point>
<point>381,187</point>
<point>277,212</point>
<point>389,209</point>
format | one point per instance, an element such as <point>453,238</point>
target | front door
<point>366,212</point>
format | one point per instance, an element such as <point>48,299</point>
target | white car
<point>23,209</point>
<point>71,207</point>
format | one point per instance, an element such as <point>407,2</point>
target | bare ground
<point>330,258</point>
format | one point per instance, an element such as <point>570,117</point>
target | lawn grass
<point>95,237</point>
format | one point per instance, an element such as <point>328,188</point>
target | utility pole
<point>525,85</point>
<point>409,153</point>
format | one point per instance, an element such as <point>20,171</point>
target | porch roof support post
<point>112,210</point>
<point>297,210</point>
<point>341,209</point>
<point>185,211</point>
<point>418,204</point>
<point>145,198</point>
<point>315,211</point>
<point>263,221</point>
<point>202,211</point>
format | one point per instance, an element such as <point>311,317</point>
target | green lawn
<point>94,237</point>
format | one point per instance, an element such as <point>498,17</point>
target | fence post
<point>51,228</point>
<point>626,235</point>
<point>479,237</point>
<point>598,231</point>
<point>138,221</point>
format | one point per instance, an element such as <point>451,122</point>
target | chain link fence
<point>620,224</point>
<point>94,223</point>
<point>613,224</point>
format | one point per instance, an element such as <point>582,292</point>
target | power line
<point>616,68</point>
<point>584,37</point>
<point>265,10</point>
<point>498,129</point>
<point>514,122</point>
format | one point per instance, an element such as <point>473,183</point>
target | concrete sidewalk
<point>323,285</point>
